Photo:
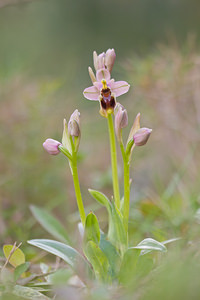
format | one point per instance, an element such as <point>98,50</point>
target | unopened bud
<point>134,128</point>
<point>121,120</point>
<point>141,136</point>
<point>74,124</point>
<point>110,59</point>
<point>51,146</point>
<point>101,61</point>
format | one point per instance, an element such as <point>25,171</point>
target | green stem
<point>114,161</point>
<point>126,187</point>
<point>74,170</point>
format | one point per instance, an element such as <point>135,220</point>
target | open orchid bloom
<point>104,88</point>
<point>116,87</point>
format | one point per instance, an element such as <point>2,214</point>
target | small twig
<point>26,280</point>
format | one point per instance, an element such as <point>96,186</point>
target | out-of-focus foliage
<point>45,49</point>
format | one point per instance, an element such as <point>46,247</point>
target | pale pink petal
<point>101,63</point>
<point>110,83</point>
<point>98,85</point>
<point>95,59</point>
<point>110,59</point>
<point>103,74</point>
<point>119,87</point>
<point>91,93</point>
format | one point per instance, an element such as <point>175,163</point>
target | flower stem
<point>126,187</point>
<point>114,161</point>
<point>74,170</point>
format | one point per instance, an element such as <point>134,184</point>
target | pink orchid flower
<point>118,88</point>
<point>104,88</point>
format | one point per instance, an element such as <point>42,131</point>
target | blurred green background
<point>45,49</point>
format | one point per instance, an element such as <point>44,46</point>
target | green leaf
<point>143,252</point>
<point>116,232</point>
<point>145,265</point>
<point>149,245</point>
<point>20,270</point>
<point>67,253</point>
<point>65,151</point>
<point>101,198</point>
<point>134,266</point>
<point>50,224</point>
<point>92,231</point>
<point>60,277</point>
<point>17,258</point>
<point>171,240</point>
<point>98,260</point>
<point>129,265</point>
<point>111,253</point>
<point>28,293</point>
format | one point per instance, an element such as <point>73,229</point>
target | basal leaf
<point>170,241</point>
<point>28,293</point>
<point>50,224</point>
<point>163,243</point>
<point>129,265</point>
<point>92,231</point>
<point>98,260</point>
<point>111,253</point>
<point>116,232</point>
<point>149,245</point>
<point>134,266</point>
<point>67,253</point>
<point>19,270</point>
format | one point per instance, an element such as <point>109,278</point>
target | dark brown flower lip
<point>108,103</point>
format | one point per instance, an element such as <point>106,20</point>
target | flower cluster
<point>104,89</point>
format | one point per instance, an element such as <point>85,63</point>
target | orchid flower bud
<point>121,120</point>
<point>51,146</point>
<point>141,136</point>
<point>134,128</point>
<point>74,128</point>
<point>66,138</point>
<point>99,60</point>
<point>74,124</point>
<point>110,59</point>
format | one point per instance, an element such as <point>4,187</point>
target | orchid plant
<point>106,254</point>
